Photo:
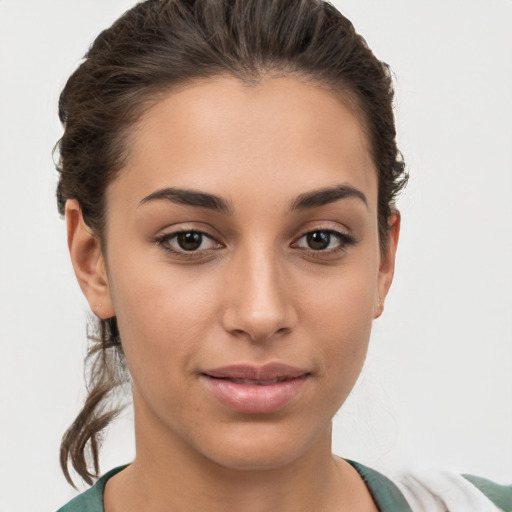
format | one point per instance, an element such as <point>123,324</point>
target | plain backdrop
<point>437,387</point>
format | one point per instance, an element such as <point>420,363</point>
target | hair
<point>159,45</point>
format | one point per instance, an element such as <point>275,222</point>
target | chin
<point>255,459</point>
<point>261,447</point>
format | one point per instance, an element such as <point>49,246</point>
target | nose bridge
<point>257,302</point>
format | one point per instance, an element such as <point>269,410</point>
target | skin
<point>254,292</point>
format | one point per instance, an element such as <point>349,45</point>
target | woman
<point>228,172</point>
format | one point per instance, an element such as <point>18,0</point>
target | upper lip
<point>265,372</point>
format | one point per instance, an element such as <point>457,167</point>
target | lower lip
<point>255,398</point>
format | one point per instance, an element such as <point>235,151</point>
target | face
<point>242,263</point>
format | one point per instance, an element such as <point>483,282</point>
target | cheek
<point>162,314</point>
<point>166,315</point>
<point>339,316</point>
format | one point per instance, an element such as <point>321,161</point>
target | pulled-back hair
<point>159,45</point>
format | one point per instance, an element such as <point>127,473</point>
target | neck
<point>167,474</point>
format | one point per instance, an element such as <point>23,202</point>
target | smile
<point>253,389</point>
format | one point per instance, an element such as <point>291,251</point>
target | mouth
<point>253,382</point>
<point>255,389</point>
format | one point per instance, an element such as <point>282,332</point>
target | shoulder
<point>387,496</point>
<point>500,495</point>
<point>435,490</point>
<point>92,499</point>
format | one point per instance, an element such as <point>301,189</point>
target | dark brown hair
<point>159,45</point>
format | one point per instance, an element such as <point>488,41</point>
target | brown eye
<point>190,240</point>
<point>318,240</point>
<point>328,241</point>
<point>187,242</point>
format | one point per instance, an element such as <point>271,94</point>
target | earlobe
<point>88,262</point>
<point>387,263</point>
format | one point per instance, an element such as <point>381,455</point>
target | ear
<point>88,262</point>
<point>387,263</point>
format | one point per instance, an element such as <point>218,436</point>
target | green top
<point>385,493</point>
<point>500,495</point>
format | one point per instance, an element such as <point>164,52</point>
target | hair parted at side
<point>159,45</point>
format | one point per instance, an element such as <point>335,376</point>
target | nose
<point>258,304</point>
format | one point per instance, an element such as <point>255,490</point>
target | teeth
<point>255,382</point>
<point>251,382</point>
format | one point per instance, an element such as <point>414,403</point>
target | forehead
<point>284,134</point>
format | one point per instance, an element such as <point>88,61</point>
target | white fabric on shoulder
<point>438,490</point>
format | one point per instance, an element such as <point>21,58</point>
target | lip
<point>255,389</point>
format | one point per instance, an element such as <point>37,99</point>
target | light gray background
<point>437,387</point>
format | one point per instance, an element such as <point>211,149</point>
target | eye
<point>183,242</point>
<point>318,240</point>
<point>327,240</point>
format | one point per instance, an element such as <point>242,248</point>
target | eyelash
<point>164,240</point>
<point>345,240</point>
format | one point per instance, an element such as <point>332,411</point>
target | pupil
<point>189,241</point>
<point>319,240</point>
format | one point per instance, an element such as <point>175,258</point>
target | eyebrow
<point>324,196</point>
<point>190,198</point>
<point>313,199</point>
